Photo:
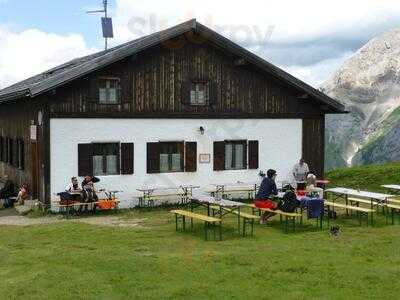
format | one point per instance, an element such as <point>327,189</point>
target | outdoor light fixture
<point>201,129</point>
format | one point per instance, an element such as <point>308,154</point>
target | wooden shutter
<point>85,159</point>
<point>219,156</point>
<point>153,158</point>
<point>253,154</point>
<point>213,90</point>
<point>127,158</point>
<point>21,155</point>
<point>1,148</point>
<point>185,92</point>
<point>94,90</point>
<point>191,157</point>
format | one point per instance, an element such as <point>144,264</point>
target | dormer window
<point>199,93</point>
<point>109,91</point>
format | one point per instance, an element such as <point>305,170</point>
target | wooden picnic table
<point>393,187</point>
<point>149,194</point>
<point>223,189</point>
<point>223,205</point>
<point>344,193</point>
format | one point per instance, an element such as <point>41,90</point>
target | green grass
<point>71,260</point>
<point>369,177</point>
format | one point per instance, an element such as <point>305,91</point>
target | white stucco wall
<point>280,144</point>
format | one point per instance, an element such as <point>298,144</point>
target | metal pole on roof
<point>106,23</point>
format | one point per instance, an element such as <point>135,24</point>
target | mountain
<point>369,85</point>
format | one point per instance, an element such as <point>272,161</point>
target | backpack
<point>289,203</point>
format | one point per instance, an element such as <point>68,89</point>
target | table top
<point>204,198</point>
<point>362,194</point>
<point>322,181</point>
<point>160,188</point>
<point>392,187</point>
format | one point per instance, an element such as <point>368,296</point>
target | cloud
<point>29,52</point>
<point>302,36</point>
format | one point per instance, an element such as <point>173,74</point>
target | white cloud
<point>32,51</point>
<point>318,73</point>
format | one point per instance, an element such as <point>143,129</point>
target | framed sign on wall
<point>204,158</point>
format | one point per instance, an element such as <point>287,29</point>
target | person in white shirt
<point>300,172</point>
<point>74,190</point>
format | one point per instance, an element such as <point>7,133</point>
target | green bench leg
<point>205,231</point>
<point>176,222</point>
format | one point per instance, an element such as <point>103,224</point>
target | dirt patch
<point>113,221</point>
<point>24,221</point>
<point>97,221</point>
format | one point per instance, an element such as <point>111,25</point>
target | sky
<point>310,39</point>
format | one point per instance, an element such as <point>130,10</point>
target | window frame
<point>118,91</point>
<point>195,83</point>
<point>178,145</point>
<point>104,158</point>
<point>234,143</point>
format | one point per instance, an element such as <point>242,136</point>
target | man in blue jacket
<point>266,191</point>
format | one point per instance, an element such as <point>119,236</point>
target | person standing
<point>300,172</point>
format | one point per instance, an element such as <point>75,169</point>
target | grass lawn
<point>71,260</point>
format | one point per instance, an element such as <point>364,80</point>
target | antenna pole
<point>105,15</point>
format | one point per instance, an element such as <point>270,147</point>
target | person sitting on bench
<point>7,192</point>
<point>23,194</point>
<point>263,198</point>
<point>312,188</point>
<point>89,191</point>
<point>74,190</point>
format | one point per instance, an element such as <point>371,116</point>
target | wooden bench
<point>360,210</point>
<point>288,216</point>
<point>87,206</point>
<point>247,218</point>
<point>393,209</point>
<point>208,221</point>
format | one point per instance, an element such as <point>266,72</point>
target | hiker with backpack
<point>266,191</point>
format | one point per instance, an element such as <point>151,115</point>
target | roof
<point>79,67</point>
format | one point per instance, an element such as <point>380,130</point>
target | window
<point>169,157</point>
<point>235,155</point>
<point>106,159</point>
<point>199,93</point>
<point>109,91</point>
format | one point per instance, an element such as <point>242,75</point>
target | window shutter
<point>153,158</point>
<point>85,159</point>
<point>253,154</point>
<point>127,158</point>
<point>191,157</point>
<point>1,148</point>
<point>94,90</point>
<point>185,92</point>
<point>213,90</point>
<point>21,155</point>
<point>219,156</point>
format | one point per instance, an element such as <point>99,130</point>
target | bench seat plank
<point>195,216</point>
<point>279,212</point>
<point>356,208</point>
<point>241,214</point>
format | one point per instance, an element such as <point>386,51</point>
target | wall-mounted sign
<point>204,158</point>
<point>33,132</point>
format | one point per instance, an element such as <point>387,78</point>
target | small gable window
<point>109,91</point>
<point>199,93</point>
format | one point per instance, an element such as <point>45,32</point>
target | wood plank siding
<point>314,144</point>
<point>15,122</point>
<point>152,85</point>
